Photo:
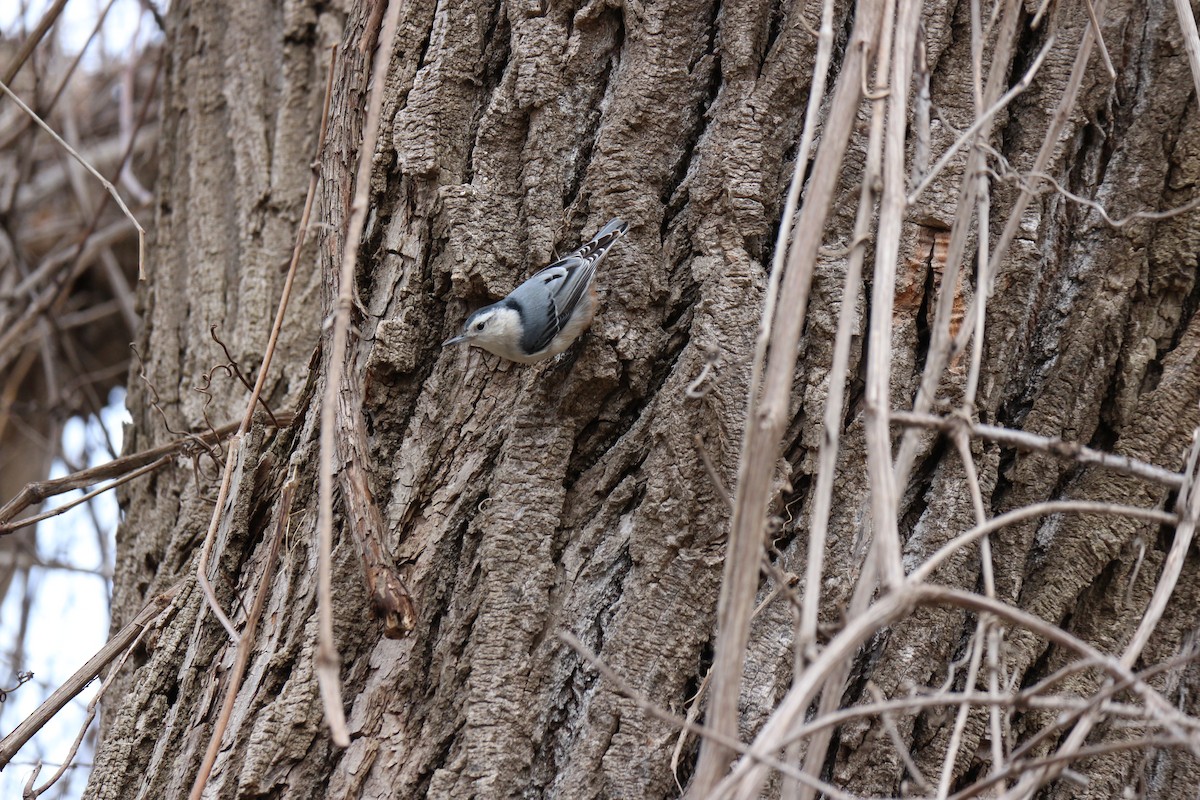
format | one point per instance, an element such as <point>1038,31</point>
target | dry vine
<point>793,731</point>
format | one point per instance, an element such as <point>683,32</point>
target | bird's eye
<point>478,326</point>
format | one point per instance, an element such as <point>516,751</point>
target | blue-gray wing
<point>548,299</point>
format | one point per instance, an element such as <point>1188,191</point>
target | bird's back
<point>549,300</point>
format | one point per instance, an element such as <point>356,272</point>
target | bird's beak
<point>454,340</point>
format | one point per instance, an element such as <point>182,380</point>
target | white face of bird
<point>495,328</point>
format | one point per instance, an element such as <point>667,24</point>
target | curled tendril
<point>22,679</point>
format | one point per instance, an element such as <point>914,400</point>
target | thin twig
<point>1164,712</point>
<point>889,725</point>
<point>1189,513</point>
<point>38,491</point>
<point>1027,182</point>
<point>884,486</point>
<point>235,461</point>
<point>816,94</point>
<point>923,572</point>
<point>1068,717</point>
<point>939,347</point>
<point>1058,120</point>
<point>1026,767</point>
<point>232,366</point>
<point>918,702</point>
<point>791,789</point>
<point>33,40</point>
<point>112,190</point>
<point>960,719</point>
<point>806,636</point>
<point>748,774</point>
<point>1104,56</point>
<point>33,793</point>
<point>980,121</point>
<point>847,316</point>
<point>11,527</point>
<point>711,469</point>
<point>1031,442</point>
<point>696,389</point>
<point>16,130</point>
<point>53,297</point>
<point>989,630</point>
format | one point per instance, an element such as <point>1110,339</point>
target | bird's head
<point>495,328</point>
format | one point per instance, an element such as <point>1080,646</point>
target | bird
<point>542,317</point>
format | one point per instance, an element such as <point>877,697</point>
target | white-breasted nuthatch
<point>545,314</point>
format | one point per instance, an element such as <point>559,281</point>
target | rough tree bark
<point>572,496</point>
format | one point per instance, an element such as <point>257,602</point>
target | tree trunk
<point>523,501</point>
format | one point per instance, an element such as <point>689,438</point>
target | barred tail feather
<point>614,230</point>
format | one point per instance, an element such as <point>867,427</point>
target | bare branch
<point>1104,56</point>
<point>897,741</point>
<point>112,190</point>
<point>884,486</point>
<point>33,40</point>
<point>36,492</point>
<point>118,644</point>
<point>980,121</point>
<point>806,636</point>
<point>924,572</point>
<point>1189,508</point>
<point>10,527</point>
<point>1031,442</point>
<point>32,793</point>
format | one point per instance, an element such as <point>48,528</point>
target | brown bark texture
<point>518,502</point>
